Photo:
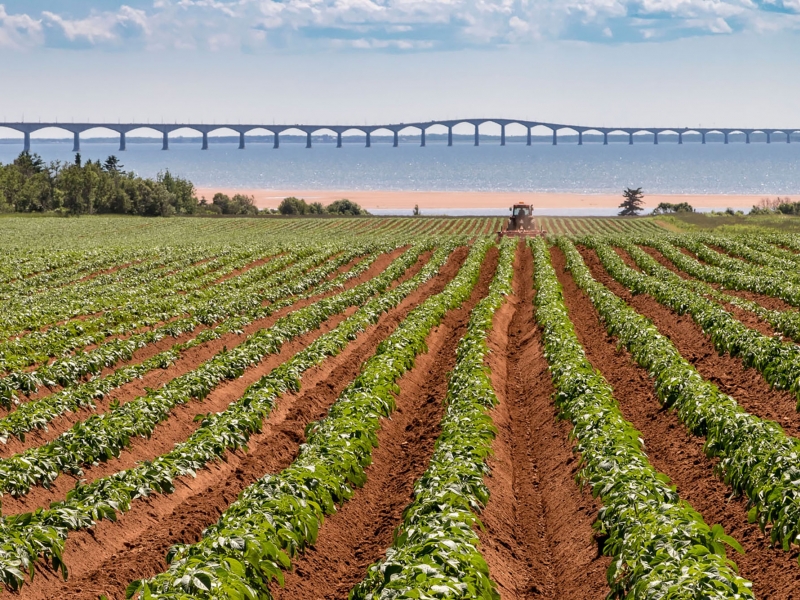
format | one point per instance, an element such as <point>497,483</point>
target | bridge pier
<point>122,142</point>
<point>27,142</point>
<point>241,140</point>
<point>703,133</point>
<point>205,141</point>
<point>769,137</point>
<point>605,138</point>
<point>529,136</point>
<point>655,138</point>
<point>502,135</point>
<point>276,140</point>
<point>746,137</point>
<point>555,137</point>
<point>680,138</point>
<point>76,141</point>
<point>369,139</point>
<point>726,136</point>
<point>789,138</point>
<point>396,139</point>
<point>477,136</point>
<point>308,139</point>
<point>422,138</point>
<point>580,138</point>
<point>165,141</point>
<point>449,136</point>
<point>630,138</point>
<point>338,139</point>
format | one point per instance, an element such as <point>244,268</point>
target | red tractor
<point>521,223</point>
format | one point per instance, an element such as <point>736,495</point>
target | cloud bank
<point>388,25</point>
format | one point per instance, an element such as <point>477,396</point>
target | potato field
<point>397,408</point>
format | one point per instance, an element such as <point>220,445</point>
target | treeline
<point>83,188</point>
<point>298,206</point>
<point>769,206</point>
<point>30,185</point>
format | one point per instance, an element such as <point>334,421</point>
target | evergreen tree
<point>633,202</point>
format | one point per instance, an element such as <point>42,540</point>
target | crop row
<point>58,340</point>
<point>85,265</point>
<point>775,286</point>
<point>435,550</point>
<point>43,532</point>
<point>756,458</point>
<point>93,296</point>
<point>71,369</point>
<point>101,437</point>
<point>38,413</point>
<point>662,548</point>
<point>785,322</point>
<point>777,361</point>
<point>279,515</point>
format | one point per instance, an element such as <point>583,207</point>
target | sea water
<point>667,168</point>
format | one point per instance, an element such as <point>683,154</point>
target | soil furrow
<point>111,555</point>
<point>360,531</point>
<point>769,302</point>
<point>677,453</point>
<point>180,423</point>
<point>726,372</point>
<point>189,359</point>
<point>538,538</point>
<point>745,316</point>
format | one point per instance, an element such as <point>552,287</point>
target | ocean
<point>669,168</point>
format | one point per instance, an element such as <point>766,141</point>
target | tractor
<point>521,223</point>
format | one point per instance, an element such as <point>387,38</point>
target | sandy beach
<point>571,204</point>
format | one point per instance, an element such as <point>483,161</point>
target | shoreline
<point>490,203</point>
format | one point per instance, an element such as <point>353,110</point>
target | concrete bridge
<point>276,130</point>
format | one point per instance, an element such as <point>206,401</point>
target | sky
<point>635,63</point>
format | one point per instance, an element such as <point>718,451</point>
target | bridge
<point>276,130</point>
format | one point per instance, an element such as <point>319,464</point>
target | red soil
<point>360,531</point>
<point>728,373</point>
<point>108,557</point>
<point>671,449</point>
<point>538,538</point>
<point>180,423</point>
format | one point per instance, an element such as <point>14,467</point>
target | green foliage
<point>280,514</point>
<point>666,208</point>
<point>240,204</point>
<point>662,548</point>
<point>345,207</point>
<point>435,553</point>
<point>293,206</point>
<point>43,532</point>
<point>28,185</point>
<point>755,457</point>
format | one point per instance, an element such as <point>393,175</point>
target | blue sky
<point>601,62</point>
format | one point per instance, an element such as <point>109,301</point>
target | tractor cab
<point>521,223</point>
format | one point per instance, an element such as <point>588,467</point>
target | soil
<point>673,450</point>
<point>360,531</point>
<point>769,302</point>
<point>728,373</point>
<point>538,538</point>
<point>180,423</point>
<point>105,559</point>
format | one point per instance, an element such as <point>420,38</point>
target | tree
<point>633,202</point>
<point>416,212</point>
<point>293,206</point>
<point>666,207</point>
<point>345,207</point>
<point>316,208</point>
<point>112,165</point>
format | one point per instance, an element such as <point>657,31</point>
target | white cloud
<point>391,24</point>
<point>18,32</point>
